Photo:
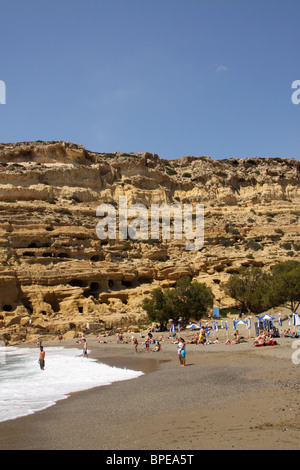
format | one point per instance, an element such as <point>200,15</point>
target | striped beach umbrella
<point>249,325</point>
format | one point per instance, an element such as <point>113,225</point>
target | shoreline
<point>227,397</point>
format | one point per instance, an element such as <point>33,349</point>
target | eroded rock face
<point>57,273</point>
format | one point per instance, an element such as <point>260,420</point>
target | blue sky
<point>172,77</point>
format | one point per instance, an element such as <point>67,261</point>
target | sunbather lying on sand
<point>264,341</point>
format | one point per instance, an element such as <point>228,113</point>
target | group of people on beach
<point>264,338</point>
<point>148,341</point>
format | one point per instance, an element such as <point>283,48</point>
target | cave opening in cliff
<point>78,283</point>
<point>143,280</point>
<point>28,306</point>
<point>51,299</point>
<point>94,287</point>
<point>32,245</point>
<point>7,308</point>
<point>127,284</point>
<point>62,255</point>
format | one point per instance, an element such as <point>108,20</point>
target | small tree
<point>188,299</point>
<point>157,308</point>
<point>251,287</point>
<point>257,290</point>
<point>286,284</point>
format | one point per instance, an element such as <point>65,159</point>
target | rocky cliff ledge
<point>55,271</point>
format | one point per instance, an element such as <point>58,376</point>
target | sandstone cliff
<point>56,272</point>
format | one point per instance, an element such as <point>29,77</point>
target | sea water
<point>25,388</point>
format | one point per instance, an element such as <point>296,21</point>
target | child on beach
<point>147,343</point>
<point>85,352</point>
<point>157,347</point>
<point>181,351</point>
<point>42,358</point>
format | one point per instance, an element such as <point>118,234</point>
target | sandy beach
<point>228,397</point>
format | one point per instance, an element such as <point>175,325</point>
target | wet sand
<point>227,397</point>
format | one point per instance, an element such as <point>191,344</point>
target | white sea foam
<point>25,388</point>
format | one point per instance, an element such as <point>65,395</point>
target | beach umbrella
<point>279,319</point>
<point>193,326</point>
<point>226,325</point>
<point>222,324</point>
<point>266,317</point>
<point>249,325</point>
<point>289,321</point>
<point>217,326</point>
<point>296,319</point>
<point>178,327</point>
<point>172,329</point>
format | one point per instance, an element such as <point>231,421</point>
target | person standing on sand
<point>181,351</point>
<point>135,342</point>
<point>85,352</point>
<point>146,343</point>
<point>42,358</point>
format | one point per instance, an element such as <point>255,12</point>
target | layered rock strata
<point>57,275</point>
